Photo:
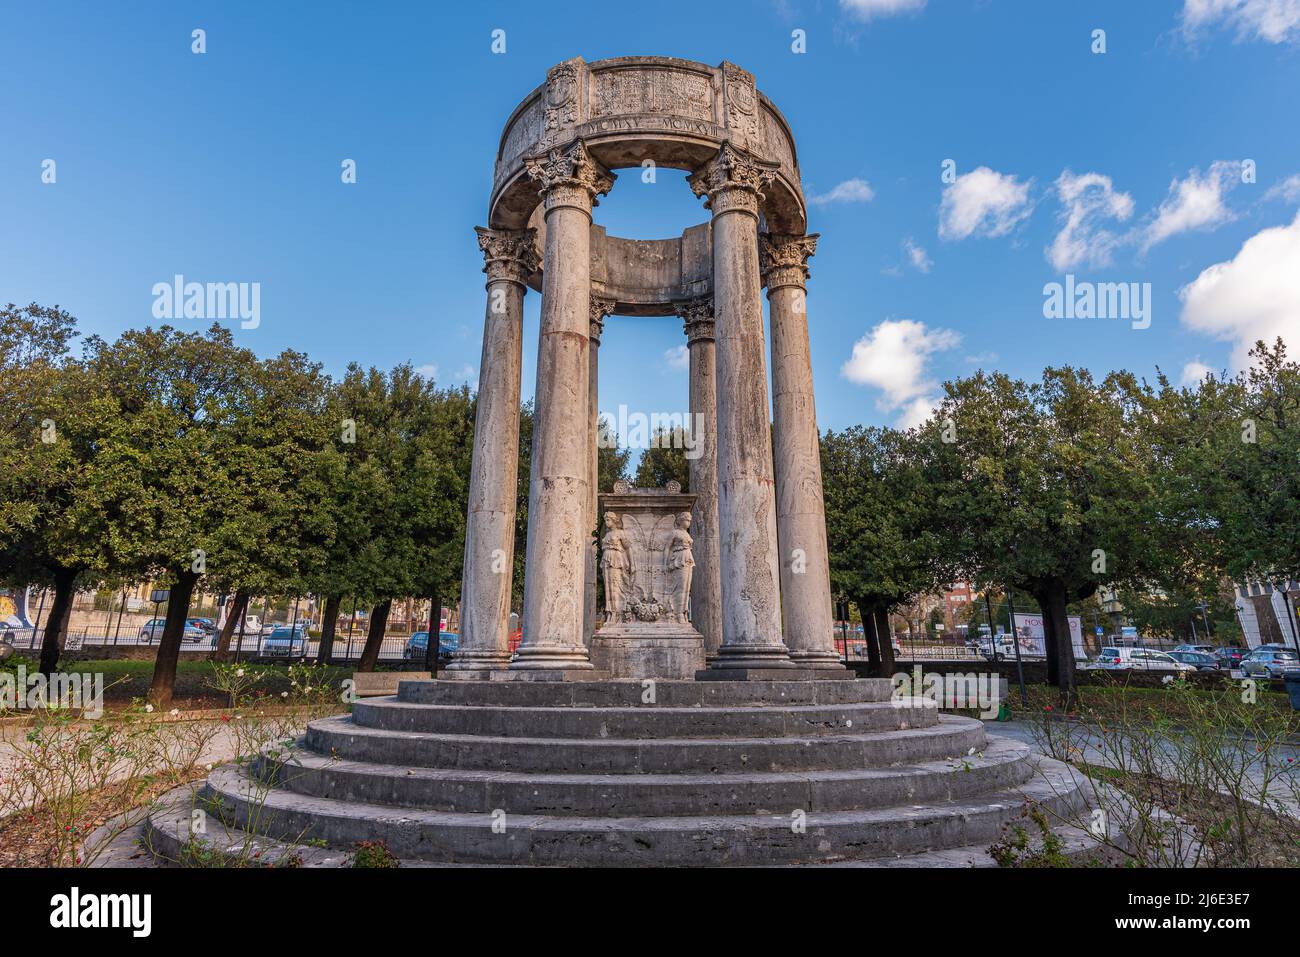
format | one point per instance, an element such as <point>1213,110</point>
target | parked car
<point>13,631</point>
<point>1270,662</point>
<point>418,643</point>
<point>286,641</point>
<point>1139,659</point>
<point>206,624</point>
<point>1203,649</point>
<point>1198,659</point>
<point>1229,657</point>
<point>153,629</point>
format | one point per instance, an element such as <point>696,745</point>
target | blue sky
<point>1120,166</point>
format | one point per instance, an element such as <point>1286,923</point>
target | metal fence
<point>347,647</point>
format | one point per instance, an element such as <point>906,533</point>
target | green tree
<point>665,460</point>
<point>881,528</point>
<point>1046,488</point>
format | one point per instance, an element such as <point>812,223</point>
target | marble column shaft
<point>706,583</point>
<point>554,588</point>
<point>800,509</point>
<point>750,573</point>
<point>511,257</point>
<point>600,308</point>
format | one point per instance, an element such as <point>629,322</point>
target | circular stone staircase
<point>703,773</point>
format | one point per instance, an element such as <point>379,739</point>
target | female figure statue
<point>681,566</point>
<point>616,567</point>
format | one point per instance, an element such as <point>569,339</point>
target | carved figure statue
<point>681,566</point>
<point>616,567</point>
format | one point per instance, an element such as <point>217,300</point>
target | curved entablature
<point>627,110</point>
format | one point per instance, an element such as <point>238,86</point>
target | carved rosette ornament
<point>697,319</point>
<point>569,176</point>
<point>600,308</point>
<point>508,254</point>
<point>784,259</point>
<point>733,179</point>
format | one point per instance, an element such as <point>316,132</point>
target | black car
<point>1198,659</point>
<point>1230,657</point>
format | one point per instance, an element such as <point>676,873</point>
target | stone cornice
<point>732,180</point>
<point>569,176</point>
<point>508,254</point>
<point>784,259</point>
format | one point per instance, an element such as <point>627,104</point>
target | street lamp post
<point>1015,643</point>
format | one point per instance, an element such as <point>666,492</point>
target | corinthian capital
<point>733,179</point>
<point>599,309</point>
<point>697,319</point>
<point>508,253</point>
<point>569,176</point>
<point>784,259</point>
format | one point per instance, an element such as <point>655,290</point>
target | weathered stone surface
<point>493,485</point>
<point>370,684</point>
<point>800,509</point>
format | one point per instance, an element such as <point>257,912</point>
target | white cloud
<point>1288,190</point>
<point>982,203</point>
<point>1194,203</point>
<point>1194,372</point>
<point>1254,295</point>
<point>850,191</point>
<point>871,9</point>
<point>427,371</point>
<point>466,374</point>
<point>677,358</point>
<point>916,255</point>
<point>894,358</point>
<point>1275,21</point>
<point>1087,200</point>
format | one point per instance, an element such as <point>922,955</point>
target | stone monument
<point>759,584</point>
<point>647,561</point>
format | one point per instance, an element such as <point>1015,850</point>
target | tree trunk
<point>328,623</point>
<point>886,638</point>
<point>56,623</point>
<point>1056,624</point>
<point>869,638</point>
<point>433,645</point>
<point>169,647</point>
<point>375,635</point>
<point>238,608</point>
<point>1049,637</point>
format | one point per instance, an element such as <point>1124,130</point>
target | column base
<point>750,658</point>
<point>821,660</point>
<point>470,665</point>
<point>551,658</point>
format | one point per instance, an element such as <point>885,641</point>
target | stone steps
<point>1002,764</point>
<point>343,739</point>
<point>696,840</point>
<point>664,722</point>
<point>645,694</point>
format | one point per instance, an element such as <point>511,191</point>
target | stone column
<point>749,566</point>
<point>800,510</point>
<point>600,308</point>
<point>493,483</point>
<point>555,585</point>
<point>706,584</point>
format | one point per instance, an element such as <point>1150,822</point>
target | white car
<point>1139,659</point>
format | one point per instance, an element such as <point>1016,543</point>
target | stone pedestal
<point>647,562</point>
